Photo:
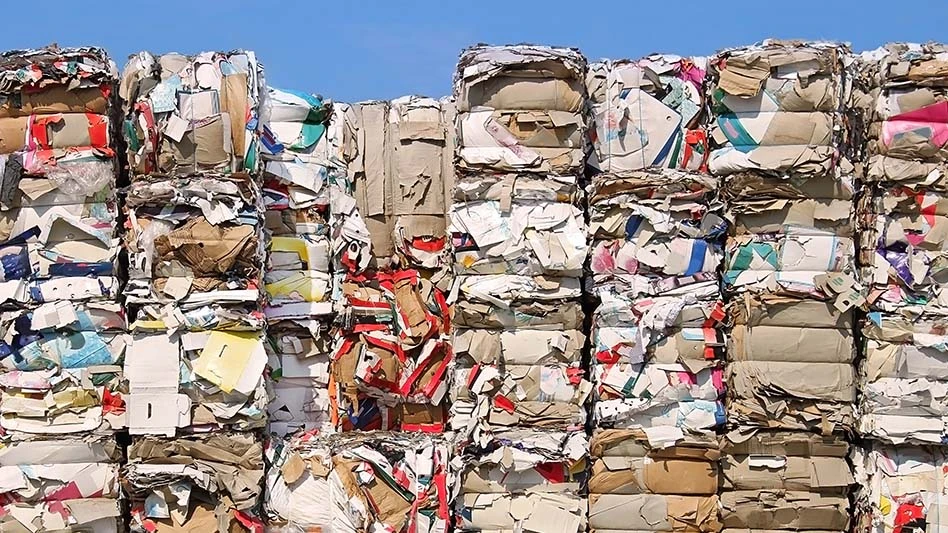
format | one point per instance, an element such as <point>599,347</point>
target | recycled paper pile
<point>658,342</point>
<point>62,330</point>
<point>372,317</point>
<point>903,377</point>
<point>518,237</point>
<point>780,143</point>
<point>195,243</point>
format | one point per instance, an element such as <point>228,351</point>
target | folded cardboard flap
<point>57,99</point>
<point>826,475</point>
<point>158,413</point>
<point>635,475</point>
<point>830,382</point>
<point>653,512</point>
<point>784,343</point>
<point>784,510</point>
<point>795,443</point>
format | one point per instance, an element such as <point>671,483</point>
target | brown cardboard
<point>630,475</point>
<point>796,129</point>
<point>525,92</point>
<point>56,99</point>
<point>210,250</point>
<point>652,512</point>
<point>779,343</point>
<point>200,520</point>
<point>234,102</point>
<point>372,148</point>
<point>568,315</point>
<point>796,443</point>
<point>826,475</point>
<point>744,74</point>
<point>13,134</point>
<point>817,381</point>
<point>784,510</point>
<point>788,311</point>
<point>212,143</point>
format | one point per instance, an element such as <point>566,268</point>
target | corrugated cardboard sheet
<point>784,480</point>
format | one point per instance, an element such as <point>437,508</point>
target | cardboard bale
<point>398,481</point>
<point>779,107</point>
<point>181,381</point>
<point>392,350</point>
<point>193,114</point>
<point>63,484</point>
<point>648,113</point>
<point>64,375</point>
<point>202,267</point>
<point>657,330</point>
<point>401,166</point>
<point>521,108</point>
<point>58,211</point>
<point>524,479</point>
<point>900,486</point>
<point>207,482</point>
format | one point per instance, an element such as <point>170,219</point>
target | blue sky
<point>350,50</point>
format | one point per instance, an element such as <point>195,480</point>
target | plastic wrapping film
<point>209,482</point>
<point>902,218</point>
<point>355,482</point>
